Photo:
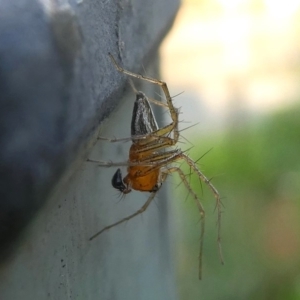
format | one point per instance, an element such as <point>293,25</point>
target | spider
<point>150,160</point>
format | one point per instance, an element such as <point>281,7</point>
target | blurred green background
<point>260,183</point>
<point>237,63</point>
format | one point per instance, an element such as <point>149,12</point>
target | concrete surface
<point>57,85</point>
<point>132,261</point>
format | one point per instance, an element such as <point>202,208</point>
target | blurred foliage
<point>260,182</point>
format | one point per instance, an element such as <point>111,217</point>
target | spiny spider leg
<point>159,103</point>
<point>153,136</point>
<point>120,164</point>
<point>216,194</point>
<point>126,139</point>
<point>173,111</point>
<point>200,208</point>
<point>141,210</point>
<point>114,140</point>
<point>171,156</point>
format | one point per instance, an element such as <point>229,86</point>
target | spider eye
<point>117,181</point>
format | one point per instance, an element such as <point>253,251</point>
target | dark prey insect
<point>150,159</point>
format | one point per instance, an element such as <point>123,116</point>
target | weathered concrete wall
<point>131,261</point>
<point>57,86</point>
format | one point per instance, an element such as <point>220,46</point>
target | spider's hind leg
<point>216,194</point>
<point>200,208</point>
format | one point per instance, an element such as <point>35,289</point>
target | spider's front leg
<point>166,130</point>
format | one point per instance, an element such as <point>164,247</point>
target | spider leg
<point>159,103</point>
<point>200,208</point>
<point>141,210</point>
<point>157,160</point>
<point>216,194</point>
<point>173,111</point>
<point>160,158</point>
<point>159,142</point>
<point>120,164</point>
<point>126,139</point>
<point>171,156</point>
<point>114,140</point>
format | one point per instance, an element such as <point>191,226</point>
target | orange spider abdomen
<point>141,178</point>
